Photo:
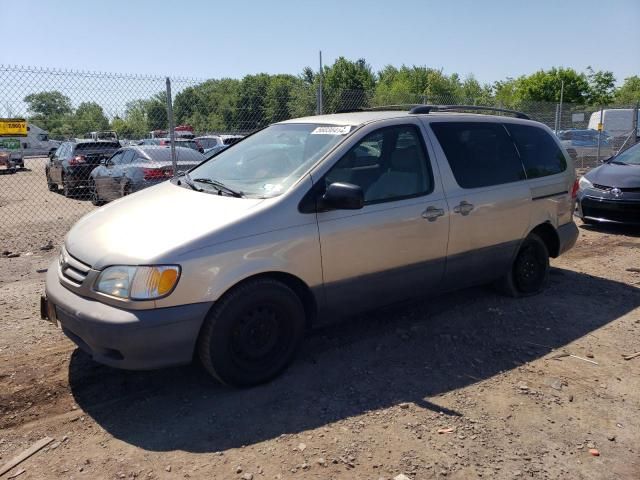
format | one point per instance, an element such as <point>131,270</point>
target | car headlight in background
<point>138,283</point>
<point>584,183</point>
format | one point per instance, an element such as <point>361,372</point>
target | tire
<point>252,333</point>
<point>66,189</point>
<point>529,272</point>
<point>53,187</point>
<point>93,192</point>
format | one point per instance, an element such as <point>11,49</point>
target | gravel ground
<point>468,385</point>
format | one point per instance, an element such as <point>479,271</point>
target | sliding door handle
<point>463,208</point>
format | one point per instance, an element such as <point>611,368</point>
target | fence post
<point>600,128</point>
<point>555,124</point>
<point>319,99</point>
<point>172,133</point>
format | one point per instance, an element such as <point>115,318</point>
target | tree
<point>252,102</point>
<point>629,92</point>
<point>89,117</point>
<point>545,86</point>
<point>49,110</point>
<point>346,84</point>
<point>48,104</point>
<point>601,87</point>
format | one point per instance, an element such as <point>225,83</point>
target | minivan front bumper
<point>130,339</point>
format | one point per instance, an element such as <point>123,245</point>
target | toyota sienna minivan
<point>309,219</point>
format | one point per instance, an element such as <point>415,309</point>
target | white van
<point>618,122</point>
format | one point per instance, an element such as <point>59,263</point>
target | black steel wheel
<point>252,333</point>
<point>530,269</point>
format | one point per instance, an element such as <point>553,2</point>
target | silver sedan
<point>136,167</point>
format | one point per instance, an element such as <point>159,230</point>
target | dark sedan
<point>136,167</point>
<point>71,164</point>
<point>611,192</point>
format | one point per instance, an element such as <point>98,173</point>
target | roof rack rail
<point>379,108</point>
<point>443,108</point>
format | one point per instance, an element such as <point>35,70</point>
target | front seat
<point>401,179</point>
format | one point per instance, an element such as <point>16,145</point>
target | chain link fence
<point>77,120</point>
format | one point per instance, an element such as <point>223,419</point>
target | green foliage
<point>228,105</point>
<point>50,110</point>
<point>346,84</point>
<point>629,92</point>
<point>602,87</point>
<point>89,117</point>
<point>545,86</point>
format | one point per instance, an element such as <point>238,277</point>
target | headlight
<point>584,183</point>
<point>138,283</point>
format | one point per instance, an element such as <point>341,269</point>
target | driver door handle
<point>463,208</point>
<point>432,213</point>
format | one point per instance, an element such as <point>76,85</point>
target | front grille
<point>617,211</point>
<point>606,188</point>
<point>72,269</point>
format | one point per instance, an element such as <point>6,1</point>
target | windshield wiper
<point>221,187</point>
<point>617,162</point>
<point>187,181</point>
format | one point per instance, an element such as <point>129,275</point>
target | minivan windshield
<point>267,163</point>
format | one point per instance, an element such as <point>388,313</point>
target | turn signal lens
<point>154,282</point>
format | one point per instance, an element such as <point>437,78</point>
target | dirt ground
<point>469,385</point>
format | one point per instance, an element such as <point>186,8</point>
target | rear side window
<point>101,146</point>
<point>480,154</point>
<point>540,154</point>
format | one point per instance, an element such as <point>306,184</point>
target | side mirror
<point>343,196</point>
<point>103,161</point>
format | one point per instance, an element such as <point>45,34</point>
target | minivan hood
<point>141,227</point>
<point>614,175</point>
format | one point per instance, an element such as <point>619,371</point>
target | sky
<point>491,39</point>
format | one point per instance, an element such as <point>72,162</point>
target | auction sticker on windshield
<point>342,130</point>
<point>13,127</point>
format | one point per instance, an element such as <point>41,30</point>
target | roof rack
<point>378,108</point>
<point>444,108</point>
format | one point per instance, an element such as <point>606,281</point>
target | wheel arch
<point>299,287</point>
<point>549,236</point>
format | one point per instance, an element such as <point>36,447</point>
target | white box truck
<point>617,122</point>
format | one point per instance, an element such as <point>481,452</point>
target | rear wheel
<point>530,269</point>
<point>93,192</point>
<point>252,333</point>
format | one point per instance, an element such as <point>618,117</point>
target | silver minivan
<point>306,220</point>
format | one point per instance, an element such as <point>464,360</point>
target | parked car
<point>610,193</point>
<point>306,220</point>
<point>218,141</point>
<point>70,166</point>
<point>131,169</point>
<point>166,142</point>
<point>104,135</point>
<point>209,152</point>
<point>6,163</point>
<point>585,142</point>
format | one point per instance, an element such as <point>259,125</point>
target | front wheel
<point>252,333</point>
<point>53,187</point>
<point>66,188</point>
<point>530,269</point>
